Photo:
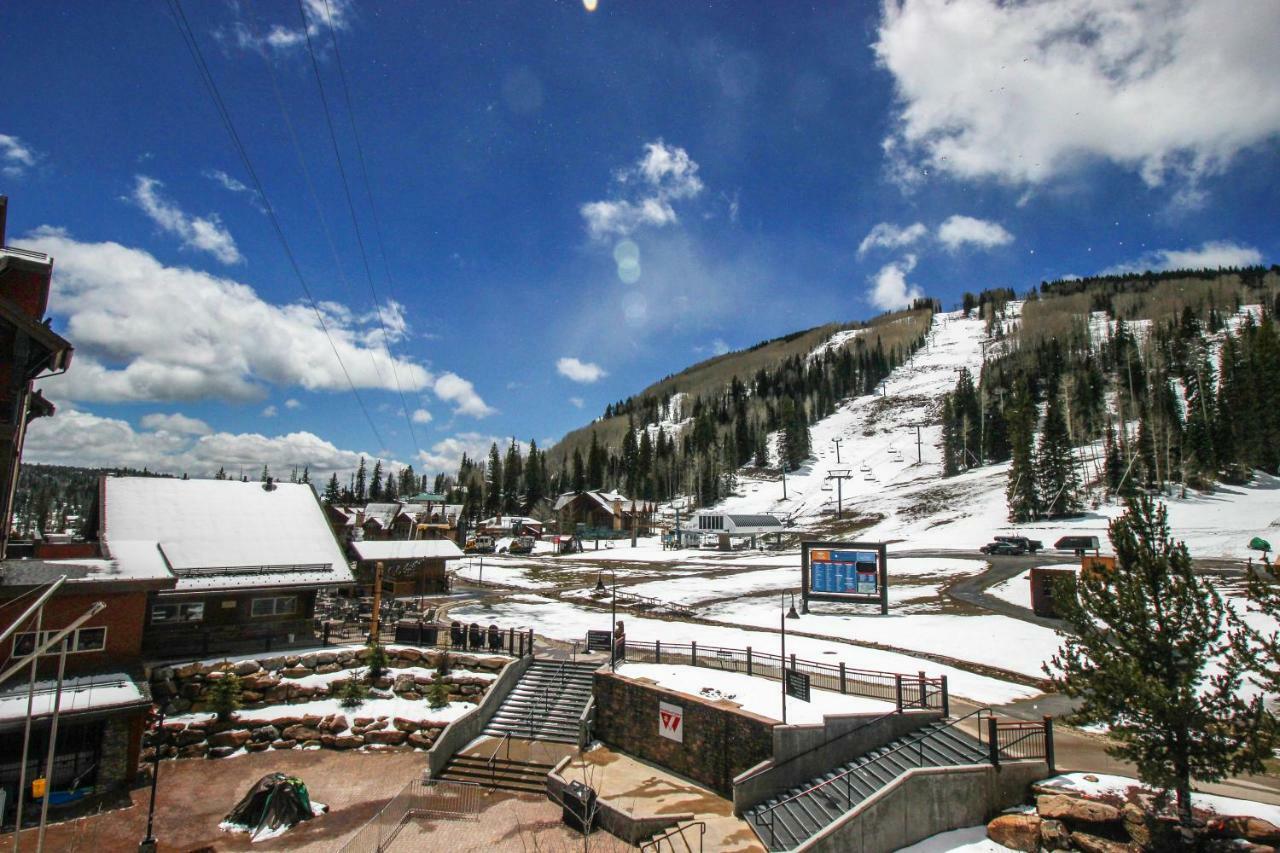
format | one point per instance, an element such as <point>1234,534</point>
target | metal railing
<point>909,754</point>
<point>647,602</point>
<point>1019,740</point>
<point>902,690</point>
<point>493,759</point>
<point>669,838</point>
<point>289,568</point>
<point>461,801</point>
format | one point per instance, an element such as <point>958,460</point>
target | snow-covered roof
<point>408,549</point>
<point>84,570</point>
<point>754,520</point>
<point>221,534</point>
<point>79,695</point>
<point>607,501</point>
<point>508,520</point>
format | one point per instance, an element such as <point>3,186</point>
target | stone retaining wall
<point>271,683</point>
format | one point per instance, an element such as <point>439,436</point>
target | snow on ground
<point>406,709</point>
<point>971,839</point>
<point>1119,785</point>
<point>1016,590</point>
<point>502,572</point>
<point>565,621</point>
<point>756,695</point>
<point>993,640</point>
<point>326,678</point>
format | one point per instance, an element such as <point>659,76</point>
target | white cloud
<point>664,173</point>
<point>74,437</point>
<point>283,38</point>
<point>719,347</point>
<point>229,183</point>
<point>1024,91</point>
<point>1211,255</point>
<point>205,234</point>
<point>452,388</point>
<point>15,156</point>
<point>292,404</point>
<point>118,307</point>
<point>580,371</point>
<point>577,402</point>
<point>175,423</point>
<point>886,235</point>
<point>890,290</point>
<point>421,416</point>
<point>958,231</point>
<point>270,412</point>
<point>445,454</point>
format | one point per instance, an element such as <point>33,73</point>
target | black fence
<point>904,691</point>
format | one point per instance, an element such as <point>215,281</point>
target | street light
<point>148,844</point>
<point>782,662</point>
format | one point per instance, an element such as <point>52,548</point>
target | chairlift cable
<point>211,88</point>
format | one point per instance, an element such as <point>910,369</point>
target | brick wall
<point>719,741</point>
<point>123,618</point>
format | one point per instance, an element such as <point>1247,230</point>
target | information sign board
<point>671,721</point>
<point>845,571</point>
<point>599,641</point>
<point>797,684</point>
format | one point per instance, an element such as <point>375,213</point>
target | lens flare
<point>590,5</point>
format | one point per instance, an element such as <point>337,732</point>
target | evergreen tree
<point>358,489</point>
<point>512,475</point>
<point>331,493</point>
<point>1138,655</point>
<point>579,474</point>
<point>1057,478</point>
<point>595,464</point>
<point>222,473</point>
<point>1023,499</point>
<point>306,475</point>
<point>375,482</point>
<point>493,482</point>
<point>266,474</point>
<point>535,476</point>
<point>391,491</point>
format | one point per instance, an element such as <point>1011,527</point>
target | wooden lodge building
<point>595,512</point>
<point>409,567</point>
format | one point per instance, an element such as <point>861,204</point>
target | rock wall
<point>272,683</point>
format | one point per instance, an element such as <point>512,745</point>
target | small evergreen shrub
<point>224,696</point>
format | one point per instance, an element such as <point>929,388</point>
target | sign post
<point>797,684</point>
<point>671,722</point>
<point>844,571</point>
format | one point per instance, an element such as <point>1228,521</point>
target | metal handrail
<point>655,843</point>
<point>846,775</point>
<point>493,759</point>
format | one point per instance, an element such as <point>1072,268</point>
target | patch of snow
<point>971,839</point>
<point>417,710</point>
<point>86,693</point>
<point>1120,785</point>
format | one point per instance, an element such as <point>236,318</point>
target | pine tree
<point>1138,655</point>
<point>358,489</point>
<point>1057,477</point>
<point>512,475</point>
<point>222,473</point>
<point>390,491</point>
<point>331,493</point>
<point>306,475</point>
<point>266,474</point>
<point>595,464</point>
<point>375,482</point>
<point>493,482</point>
<point>1023,499</point>
<point>579,474</point>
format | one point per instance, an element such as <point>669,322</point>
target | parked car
<point>1028,545</point>
<point>1002,548</point>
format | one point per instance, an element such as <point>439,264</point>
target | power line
<point>211,87</point>
<point>355,223</point>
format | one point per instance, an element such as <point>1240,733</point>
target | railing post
<point>924,700</point>
<point>1048,744</point>
<point>793,661</point>
<point>897,689</point>
<point>993,735</point>
<point>693,653</point>
<point>511,641</point>
<point>657,651</point>
<point>748,660</point>
<point>842,685</point>
<point>946,699</point>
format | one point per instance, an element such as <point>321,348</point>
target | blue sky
<point>575,203</point>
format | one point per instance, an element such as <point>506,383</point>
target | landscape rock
<point>392,737</point>
<point>301,732</point>
<point>222,751</point>
<point>420,740</point>
<point>283,743</point>
<point>246,667</point>
<point>265,733</point>
<point>1093,844</point>
<point>1016,831</point>
<point>347,741</point>
<point>234,738</point>
<point>257,746</point>
<point>1252,829</point>
<point>1054,835</point>
<point>295,671</point>
<point>1075,809</point>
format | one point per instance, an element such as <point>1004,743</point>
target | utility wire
<point>211,87</point>
<point>355,223</point>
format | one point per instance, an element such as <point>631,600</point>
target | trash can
<point>579,807</point>
<point>475,636</point>
<point>409,632</point>
<point>495,639</point>
<point>457,636</point>
<point>430,633</point>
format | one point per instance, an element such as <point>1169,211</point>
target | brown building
<point>602,511</point>
<point>28,350</point>
<point>248,559</point>
<point>409,567</point>
<point>104,696</point>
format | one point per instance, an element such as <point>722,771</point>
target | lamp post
<point>782,663</point>
<point>613,627</point>
<point>148,844</point>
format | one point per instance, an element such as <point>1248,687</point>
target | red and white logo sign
<point>671,722</point>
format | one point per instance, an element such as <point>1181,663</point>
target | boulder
<point>363,722</point>
<point>1135,823</point>
<point>1054,835</point>
<point>375,725</point>
<point>265,734</point>
<point>422,740</point>
<point>221,751</point>
<point>255,746</point>
<point>301,732</point>
<point>292,660</point>
<point>1251,829</point>
<point>235,738</point>
<point>194,750</point>
<point>186,737</point>
<point>411,695</point>
<point>404,725</point>
<point>1094,844</point>
<point>410,655</point>
<point>1075,810</point>
<point>178,705</point>
<point>347,741</point>
<point>246,667</point>
<point>336,723</point>
<point>277,694</point>
<point>326,668</point>
<point>314,743</point>
<point>295,671</point>
<point>326,657</point>
<point>1016,831</point>
<point>392,737</point>
<point>283,743</point>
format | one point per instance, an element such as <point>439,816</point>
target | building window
<point>177,612</point>
<point>80,640</point>
<point>285,605</point>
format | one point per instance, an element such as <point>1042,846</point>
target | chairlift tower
<point>840,475</point>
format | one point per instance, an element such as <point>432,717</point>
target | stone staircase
<point>787,820</point>
<point>546,702</point>
<point>526,777</point>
